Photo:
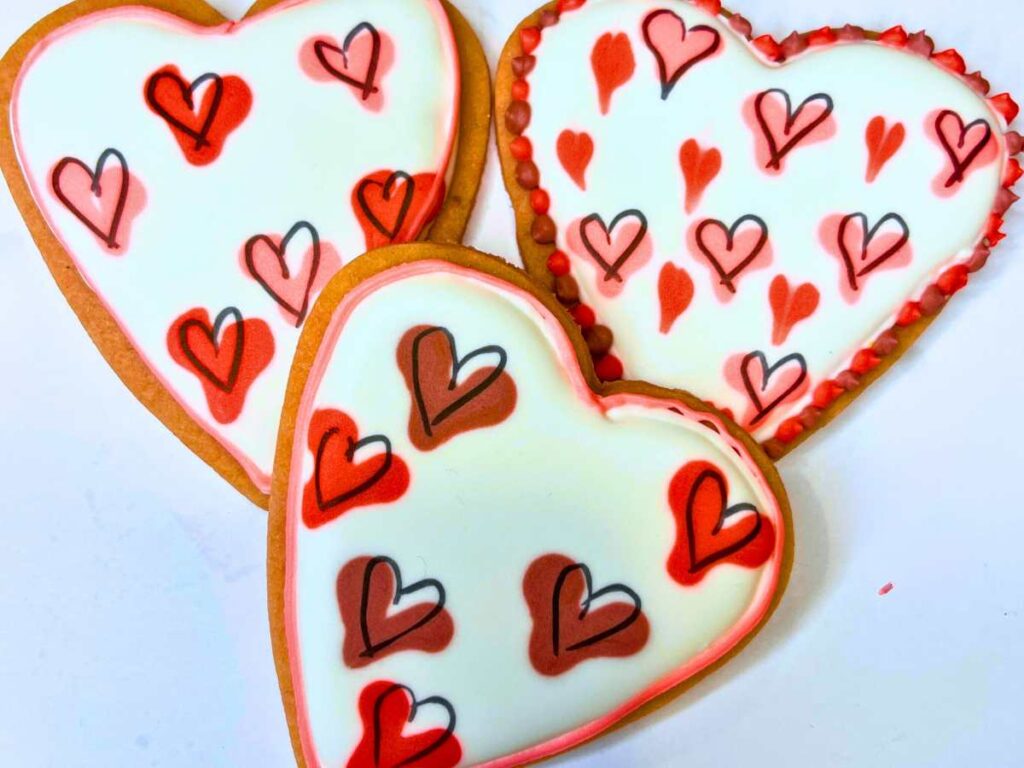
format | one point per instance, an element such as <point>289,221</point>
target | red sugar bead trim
<point>609,368</point>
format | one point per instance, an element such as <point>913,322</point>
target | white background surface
<point>132,592</point>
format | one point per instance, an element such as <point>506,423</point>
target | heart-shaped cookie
<point>795,213</point>
<point>176,168</point>
<point>587,545</point>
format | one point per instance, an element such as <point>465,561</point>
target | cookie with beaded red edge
<point>191,211</point>
<point>769,223</point>
<point>418,547</point>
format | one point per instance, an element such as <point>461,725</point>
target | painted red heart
<point>779,128</point>
<point>391,204</point>
<point>575,151</point>
<point>442,405</point>
<point>202,129</point>
<point>227,356</point>
<point>387,710</point>
<point>675,292</point>
<point>790,307</point>
<point>883,143</point>
<point>733,251</point>
<point>573,622</point>
<point>368,588</point>
<point>106,199</point>
<point>700,168</point>
<point>613,64</point>
<point>342,479</point>
<point>709,531</point>
<point>676,48</point>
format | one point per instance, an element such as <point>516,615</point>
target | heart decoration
<point>507,556</point>
<point>201,159</point>
<point>340,482</point>
<point>367,588</point>
<point>444,406</point>
<point>387,709</point>
<point>200,130</point>
<point>874,205</point>
<point>575,151</point>
<point>883,143</point>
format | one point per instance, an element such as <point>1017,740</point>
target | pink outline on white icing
<point>555,333</point>
<point>260,479</point>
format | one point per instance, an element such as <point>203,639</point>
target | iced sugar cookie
<point>479,555</point>
<point>193,183</point>
<point>769,225</point>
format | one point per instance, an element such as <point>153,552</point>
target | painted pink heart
<point>864,248</point>
<point>731,252</point>
<point>290,275</point>
<point>968,146</point>
<point>676,48</point>
<point>617,249</point>
<point>105,199</point>
<point>779,127</point>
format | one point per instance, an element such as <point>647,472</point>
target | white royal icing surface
<point>297,157</point>
<point>565,473</point>
<point>636,166</point>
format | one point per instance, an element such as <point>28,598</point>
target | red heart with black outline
<point>229,175</point>
<point>747,159</point>
<point>615,544</point>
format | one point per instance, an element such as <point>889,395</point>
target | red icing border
<point>557,335</point>
<point>176,24</point>
<point>774,53</point>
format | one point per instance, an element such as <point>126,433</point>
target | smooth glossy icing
<point>326,125</point>
<point>444,536</point>
<point>774,219</point>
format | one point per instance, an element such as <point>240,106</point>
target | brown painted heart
<point>444,404</point>
<point>368,589</point>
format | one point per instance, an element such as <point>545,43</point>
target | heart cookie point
<point>504,554</point>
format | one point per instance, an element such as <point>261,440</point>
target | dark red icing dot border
<point>867,360</point>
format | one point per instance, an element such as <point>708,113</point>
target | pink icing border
<point>261,479</point>
<point>555,333</point>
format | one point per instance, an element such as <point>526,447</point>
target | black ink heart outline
<point>762,410</point>
<point>366,86</point>
<point>726,512</point>
<point>224,385</point>
<point>428,421</point>
<point>777,154</point>
<point>280,252</point>
<point>868,234</point>
<point>353,447</point>
<point>109,237</point>
<point>727,278</point>
<point>387,189</point>
<point>201,137</point>
<point>669,83</point>
<point>960,167</point>
<point>370,648</point>
<point>612,270</point>
<point>591,596</point>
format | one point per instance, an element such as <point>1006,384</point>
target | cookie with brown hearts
<point>466,522</point>
<point>193,183</point>
<point>763,223</point>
